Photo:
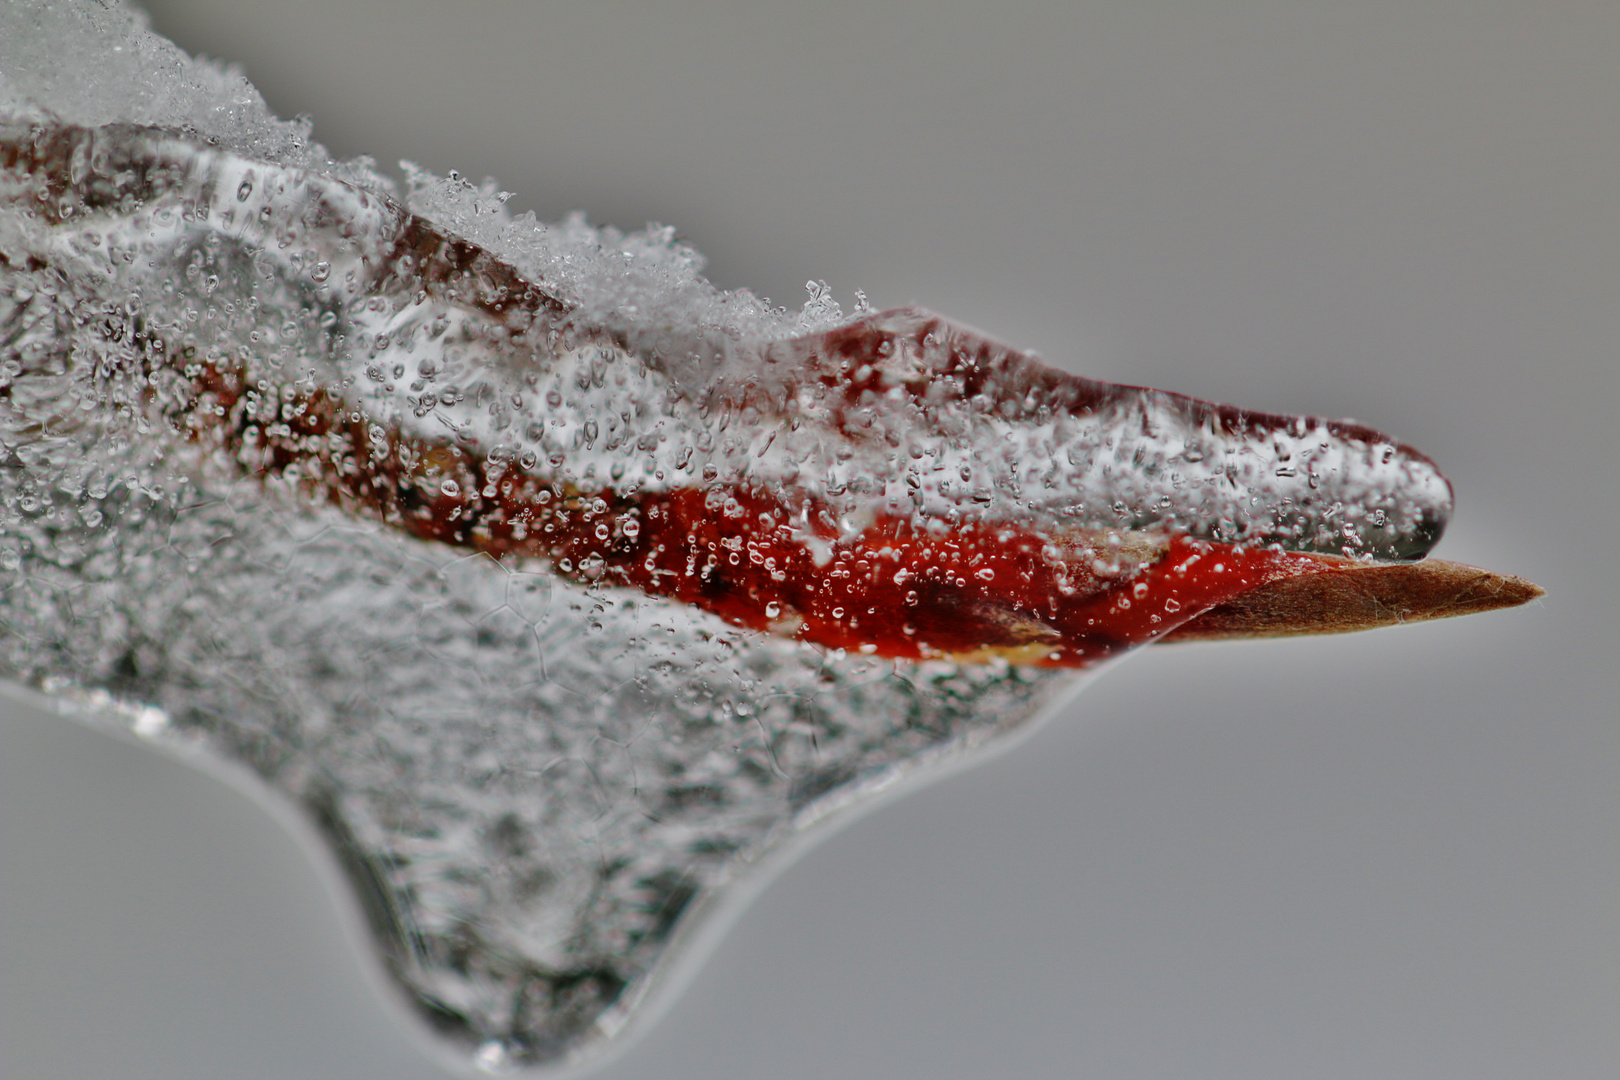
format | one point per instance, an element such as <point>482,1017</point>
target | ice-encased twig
<point>270,440</point>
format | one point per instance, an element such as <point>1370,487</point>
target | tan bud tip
<point>1358,596</point>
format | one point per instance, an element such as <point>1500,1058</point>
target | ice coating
<point>47,49</point>
<point>427,332</point>
<point>281,457</point>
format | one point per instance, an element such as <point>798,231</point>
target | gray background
<point>1391,855</point>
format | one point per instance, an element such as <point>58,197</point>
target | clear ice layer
<point>537,774</point>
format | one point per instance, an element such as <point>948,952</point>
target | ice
<point>531,566</point>
<point>46,49</point>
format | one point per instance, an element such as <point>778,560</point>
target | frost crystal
<point>557,586</point>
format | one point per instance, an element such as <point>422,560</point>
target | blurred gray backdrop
<point>1391,855</point>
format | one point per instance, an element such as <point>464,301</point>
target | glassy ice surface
<point>367,491</point>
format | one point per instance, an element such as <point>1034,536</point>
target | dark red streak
<point>980,591</point>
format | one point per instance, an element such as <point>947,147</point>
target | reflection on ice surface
<point>557,586</point>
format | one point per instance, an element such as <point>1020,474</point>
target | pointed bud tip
<point>1359,596</point>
